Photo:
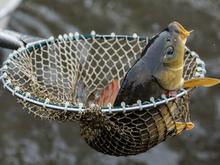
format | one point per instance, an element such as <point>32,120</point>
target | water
<point>28,140</point>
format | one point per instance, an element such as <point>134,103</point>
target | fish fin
<point>180,126</point>
<point>204,82</point>
<point>109,93</point>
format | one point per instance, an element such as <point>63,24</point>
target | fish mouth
<point>184,34</point>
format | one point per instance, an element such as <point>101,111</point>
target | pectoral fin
<point>109,94</point>
<point>203,82</point>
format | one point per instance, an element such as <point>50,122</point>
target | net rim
<point>66,106</point>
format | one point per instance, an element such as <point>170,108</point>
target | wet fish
<point>160,69</point>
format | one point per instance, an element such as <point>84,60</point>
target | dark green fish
<point>158,71</point>
<point>160,68</point>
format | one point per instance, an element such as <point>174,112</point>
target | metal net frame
<point>61,78</point>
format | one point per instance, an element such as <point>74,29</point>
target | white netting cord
<point>76,68</point>
<point>110,60</point>
<point>2,72</point>
<point>68,70</point>
<point>51,76</point>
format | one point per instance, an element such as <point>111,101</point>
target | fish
<point>159,70</point>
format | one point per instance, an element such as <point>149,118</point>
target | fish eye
<point>169,51</point>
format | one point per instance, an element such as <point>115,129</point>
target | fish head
<point>174,46</point>
<point>177,28</point>
<point>170,72</point>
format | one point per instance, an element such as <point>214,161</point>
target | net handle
<point>14,40</point>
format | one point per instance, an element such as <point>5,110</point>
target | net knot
<point>185,91</point>
<point>65,36</point>
<point>45,102</point>
<point>163,96</point>
<point>4,75</point>
<point>27,95</point>
<point>135,35</point>
<point>66,106</point>
<point>93,33</point>
<point>17,88</point>
<point>76,35</point>
<point>123,106</point>
<point>194,54</point>
<point>80,106</point>
<point>113,35</point>
<point>71,35</point>
<point>153,101</point>
<point>140,104</point>
<point>199,62</point>
<point>110,107</point>
<point>5,67</point>
<point>201,70</point>
<point>51,38</point>
<point>198,74</point>
<point>7,83</point>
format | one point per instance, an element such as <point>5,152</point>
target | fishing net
<point>61,79</point>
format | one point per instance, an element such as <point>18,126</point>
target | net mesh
<point>76,70</point>
<point>73,71</point>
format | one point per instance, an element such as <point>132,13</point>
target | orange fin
<point>109,94</point>
<point>180,126</point>
<point>203,82</point>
